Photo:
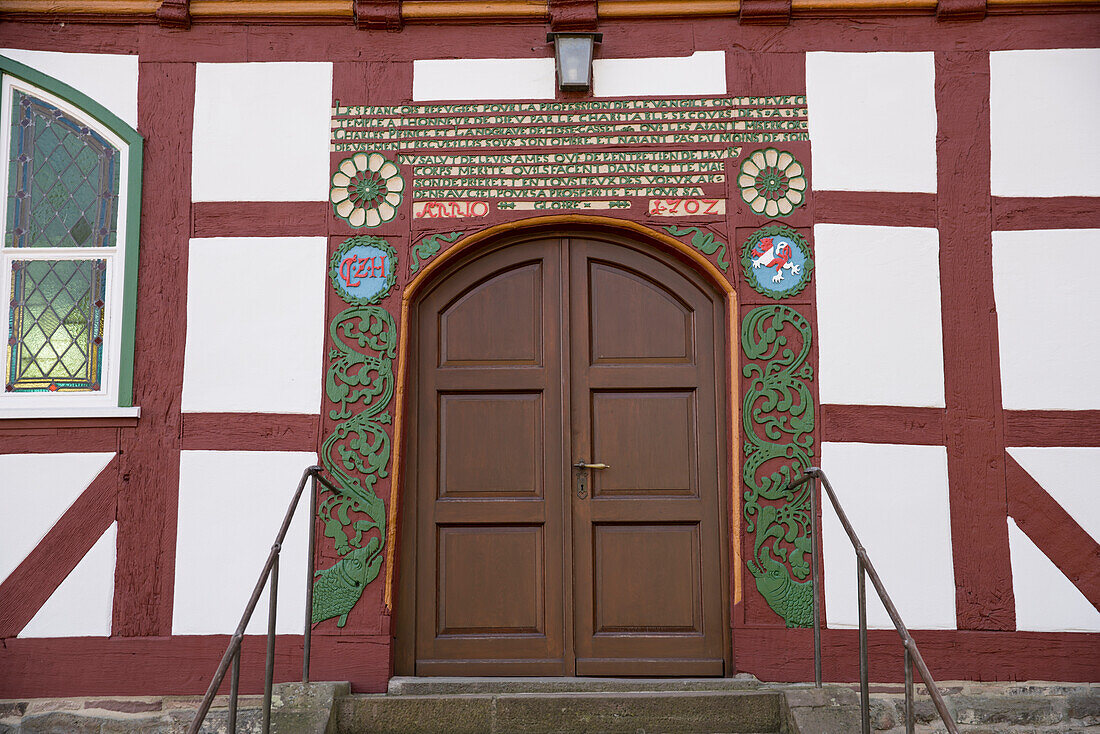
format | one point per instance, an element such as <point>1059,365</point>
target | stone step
<point>564,712</point>
<point>441,686</point>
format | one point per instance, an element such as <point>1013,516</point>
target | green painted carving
<point>776,261</point>
<point>702,241</point>
<point>339,587</point>
<point>428,247</point>
<point>357,453</point>
<point>778,419</point>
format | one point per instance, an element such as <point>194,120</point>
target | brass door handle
<point>582,465</point>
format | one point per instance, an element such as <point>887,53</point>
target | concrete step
<point>562,711</point>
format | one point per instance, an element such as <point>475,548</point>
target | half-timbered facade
<point>562,351</point>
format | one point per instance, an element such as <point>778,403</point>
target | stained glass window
<point>63,179</point>
<point>67,209</point>
<point>56,325</point>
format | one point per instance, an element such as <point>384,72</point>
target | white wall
<point>81,605</point>
<point>880,334</point>
<point>1048,318</point>
<point>231,504</point>
<point>109,79</point>
<point>1046,601</point>
<point>261,132</point>
<point>255,325</point>
<point>896,498</point>
<point>35,491</point>
<point>481,79</point>
<point>702,73</point>
<point>1069,475</point>
<point>1049,95</point>
<point>872,120</point>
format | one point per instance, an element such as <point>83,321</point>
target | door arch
<point>530,353</point>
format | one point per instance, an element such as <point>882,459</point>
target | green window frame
<point>71,211</point>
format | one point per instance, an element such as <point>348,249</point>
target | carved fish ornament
<point>338,588</point>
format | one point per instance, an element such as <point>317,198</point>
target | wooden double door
<point>531,359</point>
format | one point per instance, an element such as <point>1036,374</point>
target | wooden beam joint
<point>378,15</point>
<point>174,14</point>
<point>960,9</point>
<point>573,15</point>
<point>765,12</point>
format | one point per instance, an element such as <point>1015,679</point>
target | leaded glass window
<point>56,325</point>
<point>66,175</point>
<point>63,179</point>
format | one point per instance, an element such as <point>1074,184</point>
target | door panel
<point>489,570</point>
<point>473,463</point>
<point>516,333</point>
<point>663,335</point>
<point>646,578</point>
<point>533,357</point>
<point>646,565</point>
<point>623,421</point>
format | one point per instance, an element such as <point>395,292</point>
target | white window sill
<point>70,412</point>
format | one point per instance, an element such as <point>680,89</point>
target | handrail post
<point>308,633</point>
<point>272,611</point>
<point>234,687</point>
<point>909,724</point>
<point>864,674</point>
<point>815,579</point>
<point>913,656</point>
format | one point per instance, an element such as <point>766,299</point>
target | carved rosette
<point>366,190</point>
<point>778,422</point>
<point>772,182</point>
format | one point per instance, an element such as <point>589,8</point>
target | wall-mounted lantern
<point>573,56</point>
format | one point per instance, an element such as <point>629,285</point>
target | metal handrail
<point>864,567</point>
<point>270,571</point>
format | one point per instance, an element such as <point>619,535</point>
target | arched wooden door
<point>531,358</point>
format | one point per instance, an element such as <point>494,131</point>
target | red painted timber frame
<point>138,488</point>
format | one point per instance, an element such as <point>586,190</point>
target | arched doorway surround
<point>607,239</point>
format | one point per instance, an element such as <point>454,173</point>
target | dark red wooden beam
<point>875,208</point>
<point>1052,427</point>
<point>33,581</point>
<point>184,665</point>
<point>882,424</point>
<point>1054,530</point>
<point>260,218</point>
<point>972,388</point>
<point>148,495</point>
<point>1058,212</point>
<point>249,432</point>
<point>46,437</point>
<point>779,654</point>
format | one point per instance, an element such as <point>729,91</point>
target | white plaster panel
<point>896,498</point>
<point>261,131</point>
<point>231,504</point>
<point>1048,95</point>
<point>81,605</point>
<point>704,72</point>
<point>478,79</point>
<point>1048,318</point>
<point>872,120</point>
<point>880,334</point>
<point>1046,601</point>
<point>255,325</point>
<point>35,491</point>
<point>1068,474</point>
<point>109,79</point>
